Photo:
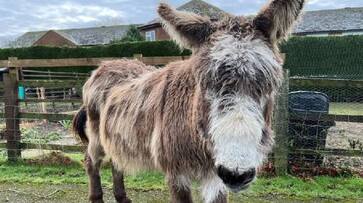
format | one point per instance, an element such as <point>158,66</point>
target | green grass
<point>318,187</point>
<point>354,109</point>
<point>23,172</point>
<point>290,187</point>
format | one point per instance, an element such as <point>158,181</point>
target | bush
<point>159,48</point>
<point>132,35</point>
<point>334,57</point>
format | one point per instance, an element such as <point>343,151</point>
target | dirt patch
<point>342,136</point>
<point>25,193</point>
<point>53,158</point>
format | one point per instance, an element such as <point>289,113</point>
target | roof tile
<point>82,36</point>
<point>331,20</point>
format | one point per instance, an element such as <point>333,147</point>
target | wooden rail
<point>52,100</point>
<point>329,117</point>
<point>63,148</point>
<point>46,116</point>
<point>52,83</point>
<point>333,152</point>
<point>322,82</point>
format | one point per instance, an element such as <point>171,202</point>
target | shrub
<point>158,48</point>
<point>334,57</point>
<point>132,35</point>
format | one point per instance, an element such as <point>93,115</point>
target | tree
<point>132,35</point>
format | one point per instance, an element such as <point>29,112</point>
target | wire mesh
<point>313,143</point>
<point>323,142</point>
<point>33,123</point>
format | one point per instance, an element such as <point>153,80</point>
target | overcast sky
<point>20,16</point>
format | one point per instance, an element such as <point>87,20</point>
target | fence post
<point>281,128</point>
<point>138,57</point>
<point>12,132</point>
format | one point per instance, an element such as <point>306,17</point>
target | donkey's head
<point>242,67</point>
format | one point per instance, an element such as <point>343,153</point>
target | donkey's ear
<point>188,29</point>
<point>277,18</point>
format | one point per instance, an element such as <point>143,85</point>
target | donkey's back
<point>108,75</point>
<point>96,90</point>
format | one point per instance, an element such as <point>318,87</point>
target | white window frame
<point>150,35</point>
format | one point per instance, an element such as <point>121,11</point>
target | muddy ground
<point>23,193</point>
<point>342,136</point>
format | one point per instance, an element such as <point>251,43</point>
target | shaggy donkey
<point>206,119</point>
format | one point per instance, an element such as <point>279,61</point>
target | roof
<point>203,8</point>
<point>42,39</point>
<point>347,19</point>
<point>199,7</point>
<point>82,36</point>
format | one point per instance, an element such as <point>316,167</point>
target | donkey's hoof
<point>123,200</point>
<point>97,201</point>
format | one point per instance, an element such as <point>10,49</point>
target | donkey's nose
<point>234,180</point>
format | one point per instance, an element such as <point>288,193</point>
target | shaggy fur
<point>192,117</point>
<point>278,17</point>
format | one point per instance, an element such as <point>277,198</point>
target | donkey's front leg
<point>179,187</point>
<point>119,186</point>
<point>213,190</point>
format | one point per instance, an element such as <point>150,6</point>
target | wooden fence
<point>13,77</point>
<point>18,74</point>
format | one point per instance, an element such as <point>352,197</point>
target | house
<point>338,22</point>
<point>153,30</point>
<point>72,37</point>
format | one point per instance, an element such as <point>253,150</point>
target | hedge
<point>159,48</point>
<point>339,57</point>
<point>334,57</point>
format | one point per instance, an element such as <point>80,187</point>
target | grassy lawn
<point>283,187</point>
<point>354,109</point>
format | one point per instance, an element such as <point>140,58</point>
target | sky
<point>20,16</point>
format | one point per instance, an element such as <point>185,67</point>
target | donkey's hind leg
<point>95,188</point>
<point>93,163</point>
<point>119,186</point>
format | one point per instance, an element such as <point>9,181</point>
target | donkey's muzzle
<point>234,180</point>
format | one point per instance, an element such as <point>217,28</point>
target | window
<point>335,33</point>
<point>150,35</point>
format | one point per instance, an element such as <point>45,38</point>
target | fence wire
<point>43,115</point>
<point>328,142</point>
<point>320,144</point>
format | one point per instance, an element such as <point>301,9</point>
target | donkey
<point>206,119</point>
